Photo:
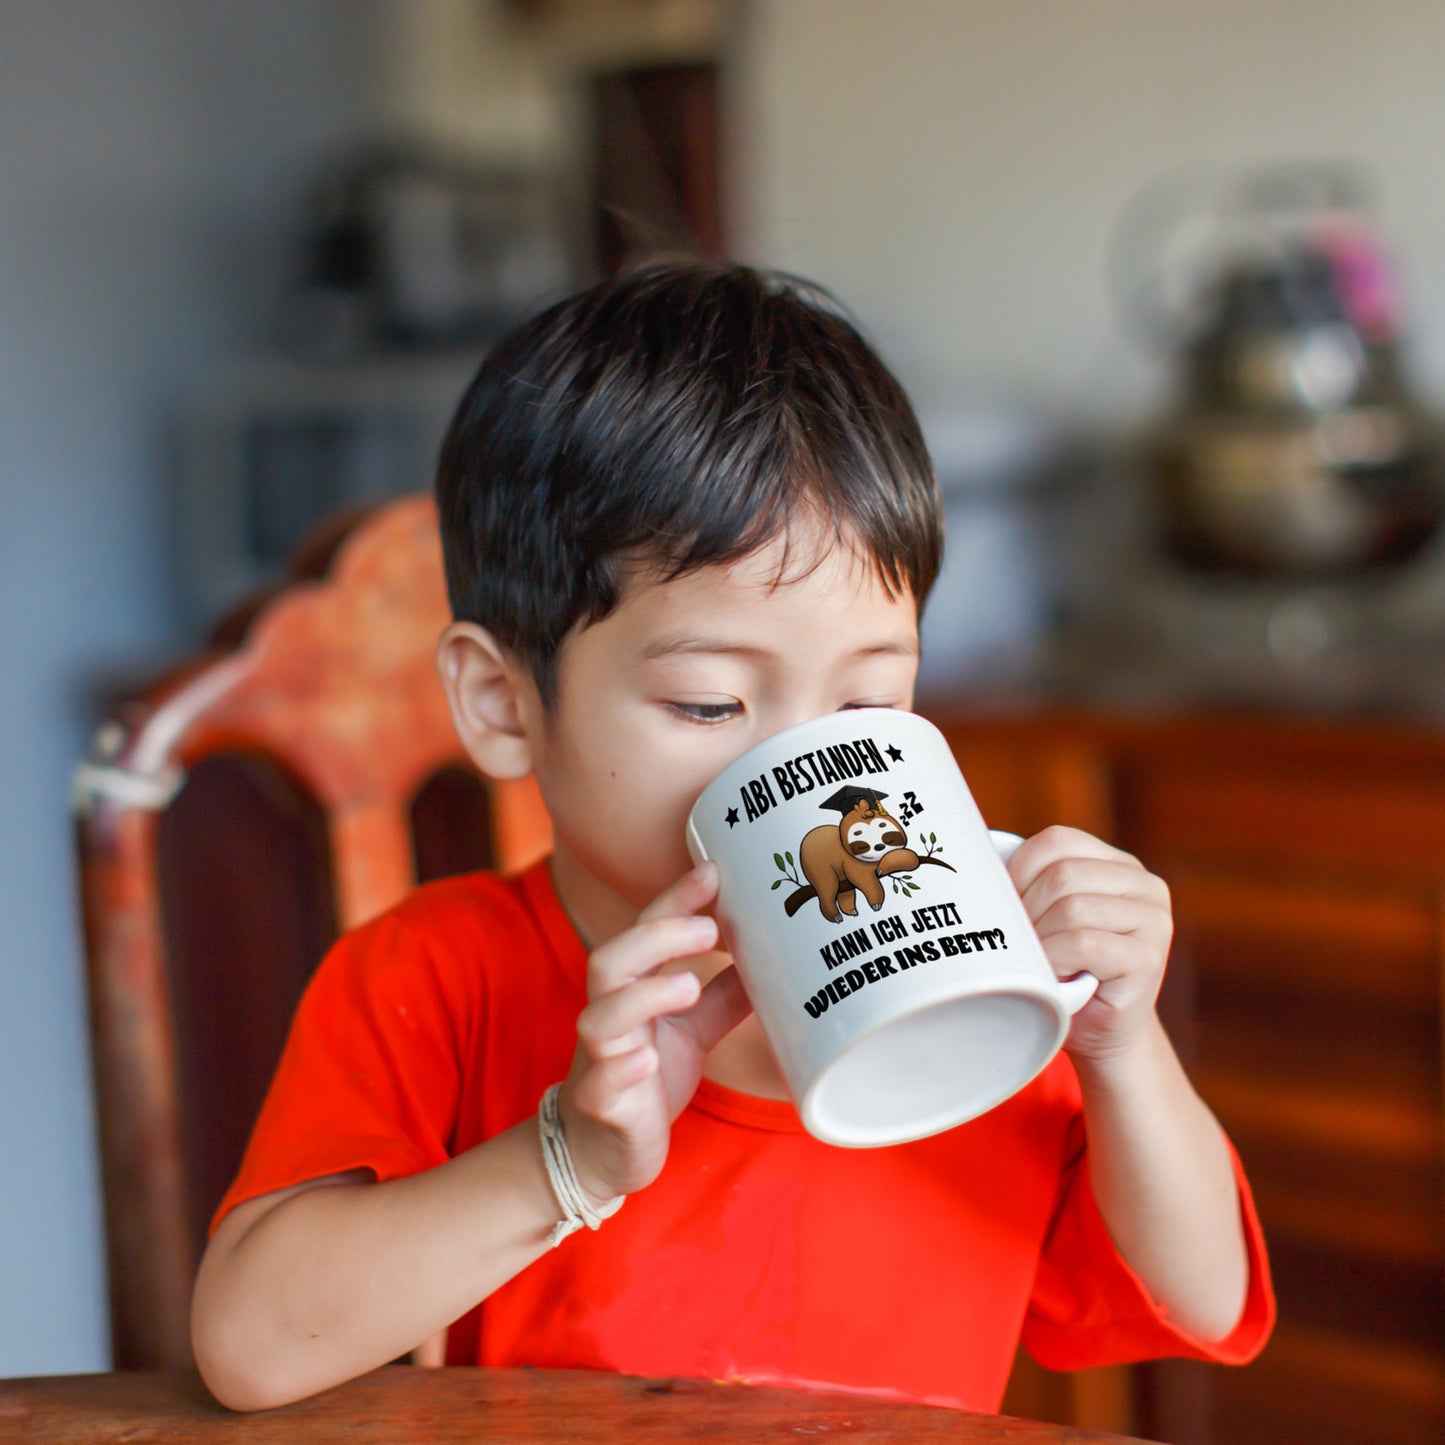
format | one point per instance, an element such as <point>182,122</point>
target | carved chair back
<point>231,821</point>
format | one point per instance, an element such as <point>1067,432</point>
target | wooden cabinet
<point>1307,866</point>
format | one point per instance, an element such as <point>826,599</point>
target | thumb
<point>720,1008</point>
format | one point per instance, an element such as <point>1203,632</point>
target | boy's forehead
<point>832,603</point>
<point>752,604</point>
<point>805,552</point>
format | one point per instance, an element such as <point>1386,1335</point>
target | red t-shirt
<point>759,1253</point>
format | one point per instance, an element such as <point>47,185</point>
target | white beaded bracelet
<point>577,1210</point>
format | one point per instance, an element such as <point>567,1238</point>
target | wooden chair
<point>231,821</point>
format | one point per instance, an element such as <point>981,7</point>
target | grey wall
<point>954,168</point>
<point>147,150</point>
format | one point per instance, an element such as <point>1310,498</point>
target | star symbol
<point>895,754</point>
<point>732,817</point>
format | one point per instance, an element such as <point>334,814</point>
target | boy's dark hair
<point>679,414</point>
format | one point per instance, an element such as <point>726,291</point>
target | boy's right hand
<point>642,1039</point>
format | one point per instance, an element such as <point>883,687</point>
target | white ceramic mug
<point>878,933</point>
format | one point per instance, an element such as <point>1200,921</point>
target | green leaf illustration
<point>789,857</point>
<point>778,859</point>
<point>777,882</point>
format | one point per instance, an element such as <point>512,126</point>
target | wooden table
<point>403,1404</point>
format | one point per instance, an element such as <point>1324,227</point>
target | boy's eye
<point>706,712</point>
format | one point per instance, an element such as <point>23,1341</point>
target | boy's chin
<point>638,891</point>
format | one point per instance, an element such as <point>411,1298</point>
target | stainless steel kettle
<point>1294,447</point>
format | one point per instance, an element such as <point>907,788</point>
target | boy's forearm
<point>335,1281</point>
<point>1165,1186</point>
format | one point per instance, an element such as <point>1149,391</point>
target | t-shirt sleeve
<point>1090,1308</point>
<point>370,1077</point>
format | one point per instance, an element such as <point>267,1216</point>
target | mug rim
<point>1028,988</point>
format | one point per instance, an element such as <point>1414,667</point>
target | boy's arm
<point>306,1287</point>
<point>1164,1183</point>
<point>1158,1162</point>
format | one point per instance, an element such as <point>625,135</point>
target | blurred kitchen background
<point>1167,282</point>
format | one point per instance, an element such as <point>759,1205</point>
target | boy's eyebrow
<point>692,643</point>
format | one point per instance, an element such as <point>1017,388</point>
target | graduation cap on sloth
<point>846,799</point>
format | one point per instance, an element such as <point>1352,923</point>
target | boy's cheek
<point>635,863</point>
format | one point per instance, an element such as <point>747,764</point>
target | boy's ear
<point>491,699</point>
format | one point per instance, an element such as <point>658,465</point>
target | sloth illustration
<point>858,852</point>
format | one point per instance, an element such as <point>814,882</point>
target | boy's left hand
<point>1095,907</point>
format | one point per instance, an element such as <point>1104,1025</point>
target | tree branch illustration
<point>796,900</point>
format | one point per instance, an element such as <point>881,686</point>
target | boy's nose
<point>804,711</point>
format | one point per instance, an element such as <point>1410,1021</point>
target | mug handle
<point>1079,989</point>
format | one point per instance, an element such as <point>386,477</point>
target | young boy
<point>682,511</point>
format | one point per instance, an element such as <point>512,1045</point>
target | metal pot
<point>1295,449</point>
<point>1265,496</point>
